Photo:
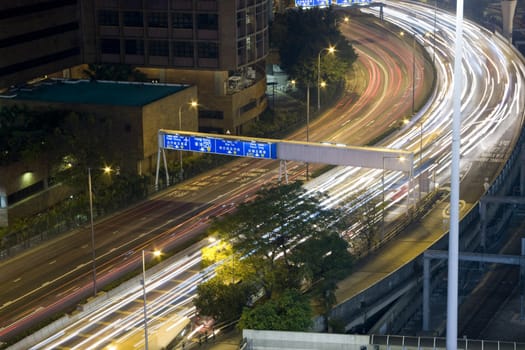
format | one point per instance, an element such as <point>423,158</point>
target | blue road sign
<point>312,3</point>
<point>177,142</point>
<point>352,2</point>
<point>218,145</point>
<point>202,144</point>
<point>229,147</point>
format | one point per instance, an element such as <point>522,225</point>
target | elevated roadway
<point>489,107</point>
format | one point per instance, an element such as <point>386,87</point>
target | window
<point>183,49</point>
<point>133,19</point>
<point>208,50</point>
<point>158,19</point>
<point>208,114</point>
<point>158,48</point>
<point>241,51</point>
<point>135,47</point>
<point>248,107</point>
<point>131,4</point>
<point>111,46</point>
<point>157,4</point>
<point>208,21</point>
<point>241,24</point>
<point>182,20</point>
<point>108,18</point>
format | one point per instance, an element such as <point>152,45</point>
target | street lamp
<point>107,170</point>
<point>406,121</point>
<point>155,253</point>
<point>331,50</point>
<point>413,70</point>
<point>383,185</point>
<point>192,104</point>
<point>307,118</point>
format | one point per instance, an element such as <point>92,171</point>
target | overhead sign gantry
<point>283,150</point>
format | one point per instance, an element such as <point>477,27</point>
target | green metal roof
<point>98,92</point>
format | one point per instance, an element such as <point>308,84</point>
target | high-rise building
<point>38,37</point>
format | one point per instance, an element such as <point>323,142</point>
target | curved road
<point>490,108</point>
<point>60,272</point>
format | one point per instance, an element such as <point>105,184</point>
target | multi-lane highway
<point>63,273</point>
<point>492,104</point>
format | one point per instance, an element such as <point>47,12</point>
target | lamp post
<point>155,253</point>
<point>420,155</point>
<point>192,104</point>
<point>92,234</point>
<point>307,121</point>
<point>107,170</point>
<point>307,118</point>
<point>330,49</point>
<point>383,186</point>
<point>413,72</point>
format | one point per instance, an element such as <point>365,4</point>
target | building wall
<point>164,114</point>
<point>211,34</point>
<point>133,143</point>
<point>37,37</point>
<point>205,43</point>
<point>209,43</point>
<point>221,108</point>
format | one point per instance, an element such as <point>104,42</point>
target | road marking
<point>52,262</point>
<point>17,280</point>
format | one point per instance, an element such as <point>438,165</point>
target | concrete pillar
<point>522,171</point>
<point>426,294</point>
<point>522,280</point>
<point>483,223</point>
<point>508,8</point>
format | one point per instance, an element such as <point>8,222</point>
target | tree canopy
<point>281,240</point>
<point>286,236</point>
<point>290,311</point>
<point>302,35</point>
<point>114,71</point>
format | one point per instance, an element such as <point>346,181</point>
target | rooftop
<point>95,92</point>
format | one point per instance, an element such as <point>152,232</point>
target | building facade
<point>218,45</point>
<point>38,37</point>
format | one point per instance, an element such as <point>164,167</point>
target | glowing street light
<point>330,50</point>
<point>401,159</point>
<point>307,118</point>
<point>107,170</point>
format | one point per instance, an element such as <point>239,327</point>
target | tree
<point>118,72</point>
<point>320,275</point>
<point>281,234</point>
<point>301,34</point>
<point>290,311</point>
<point>224,302</point>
